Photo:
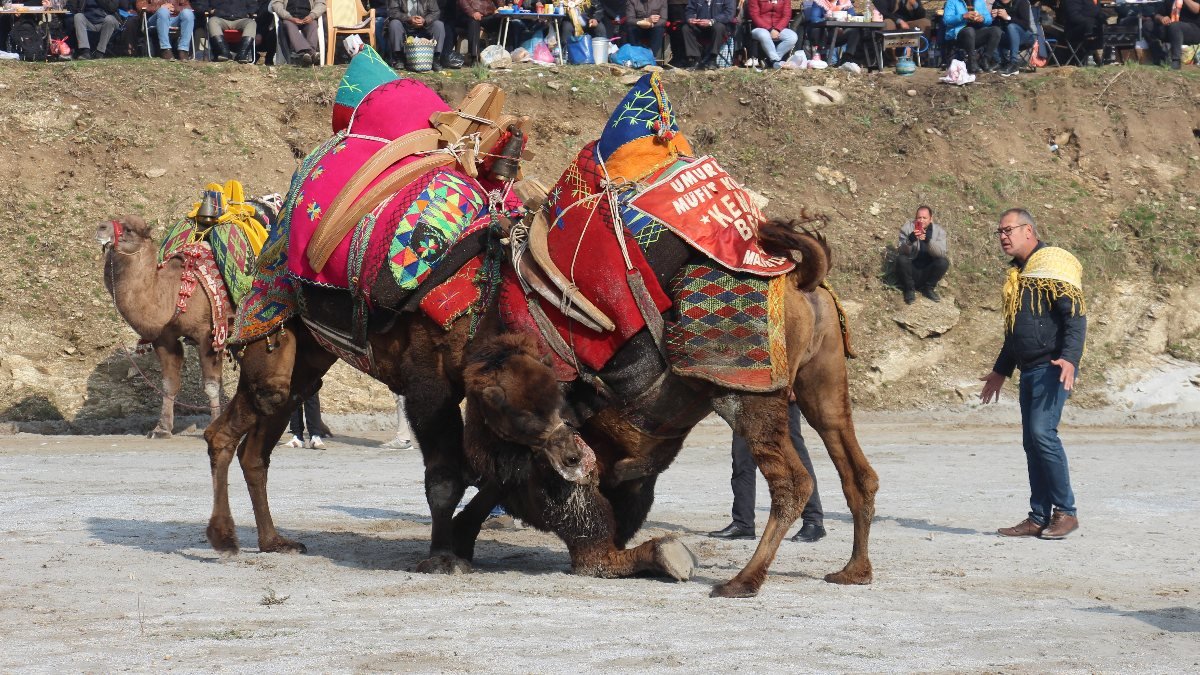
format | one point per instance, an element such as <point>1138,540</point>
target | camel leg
<point>594,551</point>
<point>223,436</point>
<point>823,393</point>
<point>437,424</point>
<point>210,373</point>
<point>631,503</point>
<point>762,419</point>
<point>170,361</point>
<point>309,363</point>
<point>469,521</point>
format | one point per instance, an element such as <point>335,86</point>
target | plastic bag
<point>633,56</point>
<point>542,54</point>
<point>495,56</point>
<point>579,49</point>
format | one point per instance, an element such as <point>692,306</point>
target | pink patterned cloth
<point>385,114</point>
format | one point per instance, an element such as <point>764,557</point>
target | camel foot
<point>444,563</point>
<point>159,432</point>
<point>849,577</point>
<point>222,538</point>
<point>280,544</point>
<point>675,558</point>
<point>734,589</point>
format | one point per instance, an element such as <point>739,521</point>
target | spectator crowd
<point>998,36</point>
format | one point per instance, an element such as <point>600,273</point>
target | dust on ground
<point>106,566</point>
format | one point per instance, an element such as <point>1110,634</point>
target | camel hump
<point>804,245</point>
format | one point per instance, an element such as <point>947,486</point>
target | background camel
<point>146,295</point>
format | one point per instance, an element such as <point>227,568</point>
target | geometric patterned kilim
<point>730,330</point>
<point>444,211</point>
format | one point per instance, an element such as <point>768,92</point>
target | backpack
<point>29,40</point>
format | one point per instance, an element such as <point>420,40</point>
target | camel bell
<point>508,163</point>
<point>212,207</point>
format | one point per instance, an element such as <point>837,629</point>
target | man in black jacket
<point>99,15</point>
<point>1177,23</point>
<point>1045,329</point>
<point>232,15</point>
<point>707,18</point>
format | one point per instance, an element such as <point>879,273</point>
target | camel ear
<point>494,397</point>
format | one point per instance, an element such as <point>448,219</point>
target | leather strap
<point>335,225</point>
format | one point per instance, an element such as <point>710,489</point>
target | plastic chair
<point>174,30</point>
<point>283,52</point>
<point>347,17</point>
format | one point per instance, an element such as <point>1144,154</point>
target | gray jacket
<point>936,242</point>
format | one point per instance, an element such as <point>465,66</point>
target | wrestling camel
<point>630,457</point>
<point>147,297</point>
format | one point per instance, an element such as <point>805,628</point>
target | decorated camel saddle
<point>640,226</point>
<point>217,243</point>
<point>395,202</point>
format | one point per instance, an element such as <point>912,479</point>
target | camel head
<point>520,401</point>
<point>126,234</point>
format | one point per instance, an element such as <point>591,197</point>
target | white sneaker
<point>751,63</point>
<point>295,442</point>
<point>397,443</point>
<point>315,443</point>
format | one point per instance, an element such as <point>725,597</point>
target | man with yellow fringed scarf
<point>1044,331</point>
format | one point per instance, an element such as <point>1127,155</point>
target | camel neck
<point>144,294</point>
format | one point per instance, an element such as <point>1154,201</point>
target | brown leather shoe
<point>1025,528</point>
<point>1061,524</point>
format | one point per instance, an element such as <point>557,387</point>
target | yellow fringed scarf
<point>238,212</point>
<point>1050,273</point>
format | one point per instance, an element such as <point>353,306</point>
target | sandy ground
<point>105,567</point>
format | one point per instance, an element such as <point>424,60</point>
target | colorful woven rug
<point>730,329</point>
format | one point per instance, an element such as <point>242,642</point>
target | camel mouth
<point>576,464</point>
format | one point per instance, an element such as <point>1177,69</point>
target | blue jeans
<point>163,22</point>
<point>1013,39</point>
<point>787,40</point>
<point>1042,400</point>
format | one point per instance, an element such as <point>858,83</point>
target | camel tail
<point>806,246</point>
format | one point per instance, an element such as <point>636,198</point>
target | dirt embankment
<point>87,141</point>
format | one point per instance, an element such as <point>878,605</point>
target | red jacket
<point>770,14</point>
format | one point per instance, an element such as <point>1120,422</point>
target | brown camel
<point>629,457</point>
<point>146,295</point>
<point>419,360</point>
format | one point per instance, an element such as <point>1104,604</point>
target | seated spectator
<point>676,19</point>
<point>225,15</point>
<point>165,15</point>
<point>477,14</point>
<point>97,15</point>
<point>769,26</point>
<point>710,19</point>
<point>1083,26</point>
<point>298,21</point>
<point>905,15</point>
<point>817,14</point>
<point>1014,19</point>
<point>601,17</point>
<point>1177,23</point>
<point>921,260</point>
<point>645,21</point>
<point>418,18</point>
<point>971,30</point>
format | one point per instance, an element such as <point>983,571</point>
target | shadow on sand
<point>346,549</point>
<point>1172,619</point>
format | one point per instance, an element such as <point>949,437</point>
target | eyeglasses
<point>1007,231</point>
